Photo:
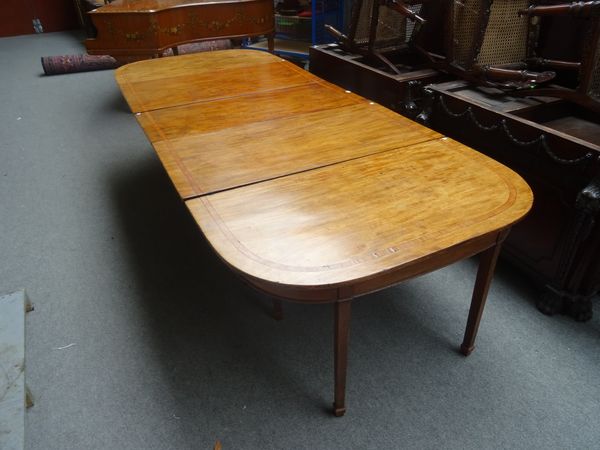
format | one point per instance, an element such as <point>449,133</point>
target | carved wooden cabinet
<point>553,144</point>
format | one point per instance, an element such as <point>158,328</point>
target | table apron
<point>357,288</point>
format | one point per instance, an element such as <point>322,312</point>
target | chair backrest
<point>505,38</point>
<point>390,26</point>
<point>377,27</point>
<point>486,32</point>
<point>569,40</point>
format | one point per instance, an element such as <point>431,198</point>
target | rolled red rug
<point>55,65</point>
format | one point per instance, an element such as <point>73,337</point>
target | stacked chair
<point>582,22</point>
<point>381,26</point>
<point>492,43</point>
<point>486,42</point>
<point>496,43</point>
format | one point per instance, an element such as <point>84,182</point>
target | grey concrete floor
<point>142,339</point>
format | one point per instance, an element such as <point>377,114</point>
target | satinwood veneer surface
<point>167,82</point>
<point>298,184</point>
<point>388,214</point>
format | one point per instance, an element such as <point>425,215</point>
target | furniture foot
<point>277,309</point>
<point>487,264</point>
<point>580,310</point>
<point>466,351</point>
<point>175,51</point>
<point>341,335</point>
<point>577,306</point>
<point>550,302</point>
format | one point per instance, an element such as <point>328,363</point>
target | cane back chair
<point>379,26</point>
<point>486,42</point>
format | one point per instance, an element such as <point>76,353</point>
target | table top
<point>307,190</point>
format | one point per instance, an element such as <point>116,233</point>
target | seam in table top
<point>308,169</point>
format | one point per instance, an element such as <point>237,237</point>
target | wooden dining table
<point>314,194</point>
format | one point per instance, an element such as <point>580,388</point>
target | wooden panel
<point>56,15</point>
<point>162,69</point>
<point>132,29</point>
<point>204,163</point>
<point>16,16</point>
<point>360,219</point>
<point>178,83</point>
<point>351,72</point>
<point>187,120</point>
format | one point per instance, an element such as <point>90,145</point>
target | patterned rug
<point>56,65</point>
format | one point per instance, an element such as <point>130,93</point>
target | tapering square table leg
<point>485,273</point>
<point>341,337</point>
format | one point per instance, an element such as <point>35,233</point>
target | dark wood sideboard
<point>553,144</point>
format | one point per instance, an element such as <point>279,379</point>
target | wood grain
<point>248,153</point>
<point>183,80</point>
<point>313,194</point>
<point>164,68</point>
<point>308,186</point>
<point>355,220</point>
<point>139,29</point>
<point>198,118</point>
